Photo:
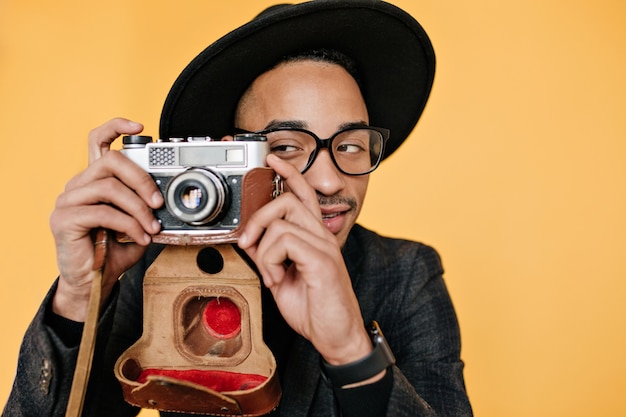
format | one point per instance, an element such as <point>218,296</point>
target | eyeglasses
<point>354,150</point>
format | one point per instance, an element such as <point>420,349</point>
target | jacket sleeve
<point>47,360</point>
<point>47,357</point>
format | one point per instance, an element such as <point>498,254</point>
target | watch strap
<point>378,360</point>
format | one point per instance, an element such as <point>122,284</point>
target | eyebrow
<point>290,124</point>
<point>347,125</point>
<point>301,124</point>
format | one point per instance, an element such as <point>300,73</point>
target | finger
<point>114,164</point>
<point>101,138</point>
<point>74,223</point>
<point>121,256</point>
<point>111,191</point>
<point>284,241</point>
<point>287,208</point>
<point>299,205</point>
<point>296,183</point>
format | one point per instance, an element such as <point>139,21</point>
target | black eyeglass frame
<point>326,143</point>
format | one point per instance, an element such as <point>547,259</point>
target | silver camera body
<point>200,179</point>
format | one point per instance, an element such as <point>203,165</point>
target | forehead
<point>307,91</point>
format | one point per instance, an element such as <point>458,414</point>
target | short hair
<point>324,55</point>
<point>331,56</point>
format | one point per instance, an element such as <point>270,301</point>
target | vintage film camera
<point>202,349</point>
<point>200,179</point>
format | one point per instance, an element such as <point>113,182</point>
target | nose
<point>324,176</point>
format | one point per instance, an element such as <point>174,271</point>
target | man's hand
<point>301,263</point>
<point>112,193</point>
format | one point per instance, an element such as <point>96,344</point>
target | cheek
<point>358,188</point>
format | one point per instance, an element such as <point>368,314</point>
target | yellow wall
<point>516,172</point>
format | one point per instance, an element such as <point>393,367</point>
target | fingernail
<point>243,239</point>
<point>157,199</point>
<point>134,125</point>
<point>156,226</point>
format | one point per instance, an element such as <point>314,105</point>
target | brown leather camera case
<point>175,342</point>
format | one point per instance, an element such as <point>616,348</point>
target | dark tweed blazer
<point>397,282</point>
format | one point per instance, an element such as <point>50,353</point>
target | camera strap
<point>88,339</point>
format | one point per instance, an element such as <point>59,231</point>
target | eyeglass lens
<point>355,151</point>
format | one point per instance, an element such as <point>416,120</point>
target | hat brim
<point>394,56</point>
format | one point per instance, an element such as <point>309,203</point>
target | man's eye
<point>284,148</point>
<point>350,148</point>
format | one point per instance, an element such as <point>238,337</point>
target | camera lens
<point>197,196</point>
<point>192,197</point>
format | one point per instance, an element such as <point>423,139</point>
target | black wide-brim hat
<point>394,56</point>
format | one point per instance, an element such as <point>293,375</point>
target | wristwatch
<point>380,359</point>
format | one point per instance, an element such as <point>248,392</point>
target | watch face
<point>374,330</point>
<point>378,339</point>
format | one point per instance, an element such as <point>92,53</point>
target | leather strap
<point>378,360</point>
<point>88,340</point>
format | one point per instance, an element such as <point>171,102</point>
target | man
<point>317,69</point>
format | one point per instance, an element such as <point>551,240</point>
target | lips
<point>336,211</point>
<point>334,219</point>
<point>331,215</point>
